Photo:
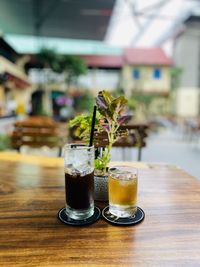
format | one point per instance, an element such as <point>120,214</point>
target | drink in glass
<point>122,189</point>
<point>79,181</point>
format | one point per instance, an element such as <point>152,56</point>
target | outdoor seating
<point>37,132</point>
<point>137,134</point>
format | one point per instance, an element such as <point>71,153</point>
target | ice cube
<point>79,163</point>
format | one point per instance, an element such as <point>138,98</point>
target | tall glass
<point>122,190</point>
<point>79,181</point>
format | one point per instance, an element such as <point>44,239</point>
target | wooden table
<point>32,192</point>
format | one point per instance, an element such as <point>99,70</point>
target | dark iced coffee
<point>79,181</point>
<point>79,190</point>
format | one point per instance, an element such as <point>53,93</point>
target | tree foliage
<point>71,65</point>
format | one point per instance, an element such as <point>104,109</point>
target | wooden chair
<point>137,133</point>
<point>37,132</point>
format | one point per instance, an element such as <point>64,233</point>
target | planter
<point>101,188</point>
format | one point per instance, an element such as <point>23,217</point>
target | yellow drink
<point>122,192</point>
<point>122,188</point>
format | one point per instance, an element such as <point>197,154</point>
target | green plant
<point>145,105</point>
<point>176,73</point>
<point>82,124</point>
<point>83,102</point>
<point>5,142</point>
<point>72,66</point>
<point>110,115</point>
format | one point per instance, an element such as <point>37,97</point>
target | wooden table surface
<point>32,192</point>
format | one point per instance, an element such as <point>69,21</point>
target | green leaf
<point>101,163</point>
<point>118,105</point>
<point>103,101</point>
<point>82,124</point>
<point>107,96</point>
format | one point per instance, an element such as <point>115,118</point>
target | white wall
<point>187,102</point>
<point>98,79</point>
<point>187,56</point>
<point>94,79</point>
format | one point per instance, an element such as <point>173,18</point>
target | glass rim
<point>78,146</point>
<point>130,170</point>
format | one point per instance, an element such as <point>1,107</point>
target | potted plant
<point>110,115</point>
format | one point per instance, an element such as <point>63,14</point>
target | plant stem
<point>111,140</point>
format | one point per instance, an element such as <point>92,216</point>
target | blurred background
<point>56,55</point>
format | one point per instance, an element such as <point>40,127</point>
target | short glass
<point>79,180</point>
<point>122,190</point>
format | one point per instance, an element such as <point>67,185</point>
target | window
<point>136,74</point>
<point>157,73</point>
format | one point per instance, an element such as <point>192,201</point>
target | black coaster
<point>65,219</point>
<point>136,218</point>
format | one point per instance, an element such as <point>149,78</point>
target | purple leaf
<point>105,126</point>
<point>123,119</point>
<point>101,102</point>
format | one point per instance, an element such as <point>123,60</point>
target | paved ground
<point>168,145</point>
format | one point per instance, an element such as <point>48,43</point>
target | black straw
<point>93,125</point>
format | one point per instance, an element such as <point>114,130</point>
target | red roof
<point>104,61</point>
<point>146,56</point>
<point>133,56</point>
